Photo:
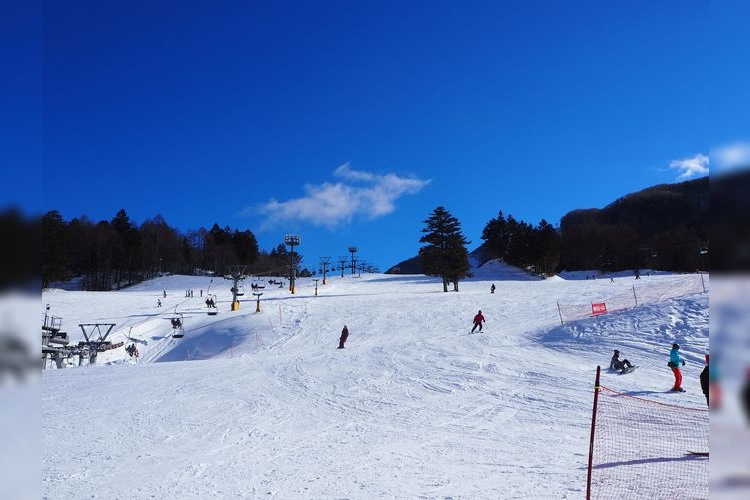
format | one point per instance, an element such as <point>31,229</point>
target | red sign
<point>599,308</point>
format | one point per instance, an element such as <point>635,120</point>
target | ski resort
<point>253,399</point>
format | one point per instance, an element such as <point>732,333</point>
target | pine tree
<point>445,254</point>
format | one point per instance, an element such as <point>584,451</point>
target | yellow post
<point>236,305</point>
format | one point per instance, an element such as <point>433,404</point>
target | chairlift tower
<point>93,346</point>
<point>236,274</point>
<point>324,261</point>
<point>353,250</point>
<point>342,264</point>
<point>292,240</point>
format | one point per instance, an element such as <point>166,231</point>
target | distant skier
<point>158,302</point>
<point>165,294</point>
<point>617,364</point>
<point>675,360</point>
<point>478,320</point>
<point>704,381</point>
<point>492,288</point>
<point>344,336</point>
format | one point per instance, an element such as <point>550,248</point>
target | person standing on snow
<point>675,360</point>
<point>344,336</point>
<point>704,381</point>
<point>618,364</point>
<point>478,320</point>
<point>492,288</point>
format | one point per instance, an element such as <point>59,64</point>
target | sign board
<point>597,309</point>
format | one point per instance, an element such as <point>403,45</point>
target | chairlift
<point>211,301</point>
<point>178,324</point>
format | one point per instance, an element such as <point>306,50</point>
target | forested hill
<point>661,227</point>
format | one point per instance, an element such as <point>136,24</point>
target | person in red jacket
<point>478,320</point>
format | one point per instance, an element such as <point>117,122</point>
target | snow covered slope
<point>262,404</point>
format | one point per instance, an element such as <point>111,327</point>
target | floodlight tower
<point>324,261</point>
<point>291,240</point>
<point>353,250</point>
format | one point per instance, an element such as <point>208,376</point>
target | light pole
<point>353,250</point>
<point>316,286</point>
<point>291,240</point>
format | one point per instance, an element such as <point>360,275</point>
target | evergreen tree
<point>445,254</point>
<point>54,258</point>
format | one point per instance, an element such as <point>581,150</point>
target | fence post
<point>634,296</point>
<point>560,313</point>
<point>593,427</point>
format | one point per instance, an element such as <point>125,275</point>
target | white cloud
<point>360,194</point>
<point>688,168</point>
<point>731,156</point>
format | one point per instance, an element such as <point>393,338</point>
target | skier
<point>165,294</point>
<point>704,381</point>
<point>158,302</point>
<point>344,336</point>
<point>675,360</point>
<point>478,320</point>
<point>617,364</point>
<point>492,288</point>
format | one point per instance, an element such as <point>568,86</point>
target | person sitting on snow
<point>617,364</point>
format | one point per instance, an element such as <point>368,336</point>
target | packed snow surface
<point>262,404</point>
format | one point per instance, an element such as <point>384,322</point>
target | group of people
<point>675,362</point>
<point>210,302</point>
<point>176,323</point>
<point>132,350</point>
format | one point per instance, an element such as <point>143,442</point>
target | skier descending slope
<point>344,336</point>
<point>478,320</point>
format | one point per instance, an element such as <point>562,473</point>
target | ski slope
<point>263,405</point>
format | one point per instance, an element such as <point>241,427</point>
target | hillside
<point>263,405</point>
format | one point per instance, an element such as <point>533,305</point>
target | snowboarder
<point>478,320</point>
<point>675,360</point>
<point>344,336</point>
<point>492,288</point>
<point>704,381</point>
<point>618,364</point>
<point>158,302</point>
<point>165,294</point>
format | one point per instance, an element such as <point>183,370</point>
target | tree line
<point>664,227</point>
<point>116,253</point>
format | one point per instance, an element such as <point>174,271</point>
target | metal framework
<point>292,240</point>
<point>353,250</point>
<point>236,274</point>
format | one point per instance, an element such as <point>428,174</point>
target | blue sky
<point>348,122</point>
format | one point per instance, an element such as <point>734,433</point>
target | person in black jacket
<point>704,381</point>
<point>617,364</point>
<point>745,394</point>
<point>344,336</point>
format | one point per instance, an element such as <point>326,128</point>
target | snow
<point>260,405</point>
